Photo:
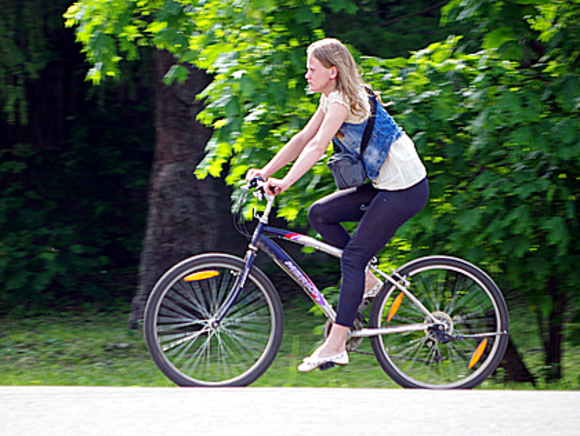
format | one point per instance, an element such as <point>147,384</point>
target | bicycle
<point>216,319</point>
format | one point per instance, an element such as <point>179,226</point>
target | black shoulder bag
<point>347,168</point>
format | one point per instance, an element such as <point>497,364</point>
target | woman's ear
<point>333,72</point>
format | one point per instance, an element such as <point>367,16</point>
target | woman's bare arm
<point>314,149</point>
<point>295,146</point>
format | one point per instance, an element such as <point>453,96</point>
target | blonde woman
<point>398,188</point>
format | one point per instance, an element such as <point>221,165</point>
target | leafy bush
<point>69,218</point>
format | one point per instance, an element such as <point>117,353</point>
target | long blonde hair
<point>330,52</point>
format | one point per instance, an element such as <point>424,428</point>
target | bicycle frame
<point>261,241</point>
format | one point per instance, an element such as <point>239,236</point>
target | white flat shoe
<point>311,363</point>
<point>373,291</point>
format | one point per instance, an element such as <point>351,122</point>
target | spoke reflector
<point>478,353</point>
<point>395,306</point>
<point>202,275</point>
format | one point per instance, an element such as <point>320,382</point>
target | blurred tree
<point>64,180</point>
<point>30,36</point>
<point>185,215</point>
<point>391,28</point>
<point>189,37</point>
<point>24,52</point>
<point>53,124</point>
<point>498,127</point>
<point>500,132</point>
<point>535,116</point>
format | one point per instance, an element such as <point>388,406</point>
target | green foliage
<point>390,28</point>
<point>256,53</point>
<point>489,128</point>
<point>25,38</point>
<point>501,143</point>
<point>257,99</point>
<point>528,119</point>
<point>115,30</point>
<point>527,31</point>
<point>67,219</point>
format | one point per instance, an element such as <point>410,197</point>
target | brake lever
<point>258,184</point>
<point>259,194</point>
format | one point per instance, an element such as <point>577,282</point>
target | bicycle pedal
<point>326,366</point>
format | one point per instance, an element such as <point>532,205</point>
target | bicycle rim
<point>466,302</point>
<point>189,349</point>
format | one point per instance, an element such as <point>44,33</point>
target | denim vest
<point>385,132</point>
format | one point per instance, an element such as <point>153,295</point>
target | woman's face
<point>319,78</point>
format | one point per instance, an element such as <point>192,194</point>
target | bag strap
<point>370,123</point>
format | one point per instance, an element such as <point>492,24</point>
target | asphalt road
<point>111,411</point>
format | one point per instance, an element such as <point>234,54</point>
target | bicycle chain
<point>368,353</point>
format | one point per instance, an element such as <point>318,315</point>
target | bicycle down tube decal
<point>293,236</point>
<point>314,293</point>
<point>286,263</point>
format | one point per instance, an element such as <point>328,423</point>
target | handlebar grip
<point>255,182</point>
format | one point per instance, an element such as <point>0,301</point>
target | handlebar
<point>258,184</point>
<point>256,187</point>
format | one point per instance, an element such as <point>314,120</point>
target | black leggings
<point>380,214</point>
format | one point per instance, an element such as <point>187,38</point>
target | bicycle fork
<point>249,261</point>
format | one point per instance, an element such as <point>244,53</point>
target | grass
<point>302,335</point>
<point>75,349</point>
<point>97,349</point>
<point>93,348</point>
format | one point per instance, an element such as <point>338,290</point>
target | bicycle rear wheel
<point>181,334</point>
<point>468,305</point>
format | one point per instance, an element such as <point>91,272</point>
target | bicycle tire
<point>178,328</point>
<point>466,300</point>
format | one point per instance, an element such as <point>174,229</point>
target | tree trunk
<point>552,332</point>
<point>184,213</point>
<point>514,366</point>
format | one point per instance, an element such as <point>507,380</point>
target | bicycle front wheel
<point>472,315</point>
<point>184,340</point>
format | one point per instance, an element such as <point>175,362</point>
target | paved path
<point>111,411</point>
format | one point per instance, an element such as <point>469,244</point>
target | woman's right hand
<point>254,172</point>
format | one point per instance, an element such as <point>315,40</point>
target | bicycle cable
<point>255,187</point>
<point>237,213</point>
<point>238,216</point>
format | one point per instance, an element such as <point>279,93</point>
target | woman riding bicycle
<point>398,191</point>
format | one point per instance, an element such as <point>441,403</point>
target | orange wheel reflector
<point>395,306</point>
<point>202,275</point>
<point>478,353</point>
